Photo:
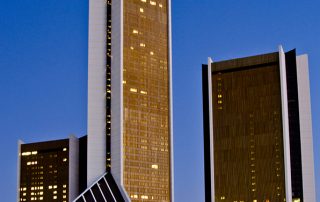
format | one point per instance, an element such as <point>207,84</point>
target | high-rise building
<point>48,171</point>
<point>257,129</point>
<point>129,97</point>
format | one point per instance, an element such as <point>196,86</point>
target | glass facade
<point>247,128</point>
<point>146,128</point>
<point>44,171</point>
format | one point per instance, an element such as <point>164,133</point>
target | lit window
<point>222,197</point>
<point>131,48</point>
<point>133,90</point>
<point>141,10</point>
<point>64,186</point>
<point>144,197</point>
<point>26,153</point>
<point>55,186</point>
<point>55,192</point>
<point>143,92</point>
<point>153,3</point>
<point>255,200</point>
<point>144,0</point>
<point>64,196</point>
<point>154,166</point>
<point>55,197</point>
<point>219,101</point>
<point>64,149</point>
<point>219,96</point>
<point>124,82</point>
<point>41,198</point>
<point>135,31</point>
<point>151,53</point>
<point>160,5</point>
<point>142,45</point>
<point>65,159</point>
<point>34,152</point>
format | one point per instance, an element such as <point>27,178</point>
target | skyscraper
<point>257,129</point>
<point>49,171</point>
<point>129,97</point>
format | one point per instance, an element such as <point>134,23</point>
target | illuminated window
<point>64,186</point>
<point>135,31</point>
<point>222,197</point>
<point>151,53</point>
<point>55,192</point>
<point>142,45</point>
<point>133,90</point>
<point>143,92</point>
<point>124,82</point>
<point>144,0</point>
<point>64,149</point>
<point>153,3</point>
<point>26,153</point>
<point>144,197</point>
<point>141,10</point>
<point>55,197</point>
<point>65,159</point>
<point>34,152</point>
<point>55,186</point>
<point>154,166</point>
<point>160,5</point>
<point>131,47</point>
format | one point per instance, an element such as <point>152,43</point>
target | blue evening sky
<point>43,71</point>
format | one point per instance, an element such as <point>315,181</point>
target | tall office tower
<point>49,171</point>
<point>257,129</point>
<point>129,97</point>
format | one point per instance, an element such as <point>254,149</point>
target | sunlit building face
<point>146,133</point>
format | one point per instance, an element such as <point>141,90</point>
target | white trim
<point>109,189</point>
<point>93,195</point>
<point>170,101</point>
<point>211,128</point>
<point>101,192</point>
<point>307,158</point>
<point>20,142</point>
<point>117,96</point>
<point>285,124</point>
<point>73,162</point>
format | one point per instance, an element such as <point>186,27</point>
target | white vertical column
<point>308,179</point>
<point>117,96</point>
<point>73,162</point>
<point>96,90</point>
<point>211,128</point>
<point>20,142</point>
<point>170,101</point>
<point>285,124</point>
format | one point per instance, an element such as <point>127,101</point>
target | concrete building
<point>257,129</point>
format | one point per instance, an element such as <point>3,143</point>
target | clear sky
<point>43,71</point>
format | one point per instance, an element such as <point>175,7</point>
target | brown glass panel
<point>248,141</point>
<point>146,101</point>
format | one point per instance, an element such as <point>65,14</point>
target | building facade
<point>130,97</point>
<point>48,171</point>
<point>257,129</point>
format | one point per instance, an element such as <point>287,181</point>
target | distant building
<point>257,129</point>
<point>49,171</point>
